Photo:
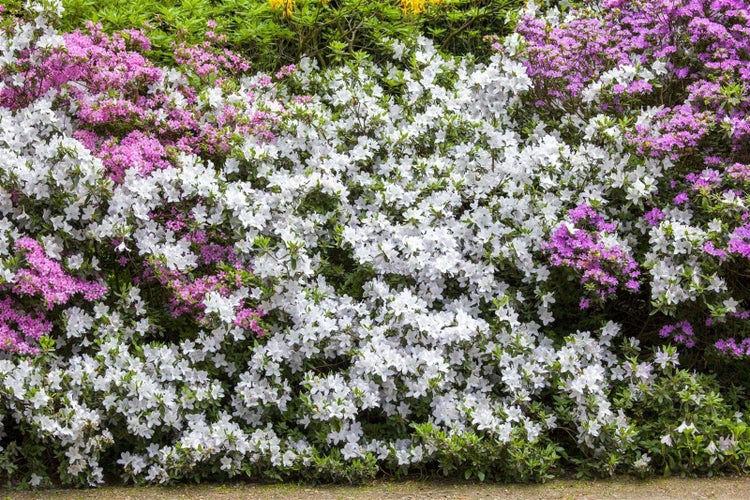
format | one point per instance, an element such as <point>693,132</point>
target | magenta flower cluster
<point>685,56</point>
<point>46,279</point>
<point>578,244</point>
<point>20,330</point>
<point>42,278</point>
<point>563,60</point>
<point>731,347</point>
<point>739,241</point>
<point>209,63</point>
<point>187,295</point>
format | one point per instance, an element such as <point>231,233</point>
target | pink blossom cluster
<point>579,245</point>
<point>248,318</point>
<point>188,294</point>
<point>46,279</point>
<point>739,241</point>
<point>678,129</point>
<point>700,48</point>
<point>20,330</point>
<point>654,216</point>
<point>208,62</point>
<point>137,150</point>
<point>129,114</point>
<point>43,278</point>
<point>563,60</point>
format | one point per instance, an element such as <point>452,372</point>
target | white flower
<point>398,49</point>
<point>731,305</point>
<point>727,443</point>
<point>663,358</point>
<point>643,462</point>
<point>659,67</point>
<point>711,448</point>
<point>214,97</point>
<point>685,427</point>
<point>40,399</point>
<point>352,450</point>
<point>223,306</point>
<point>226,463</point>
<point>78,321</point>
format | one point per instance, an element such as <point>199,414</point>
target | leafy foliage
<point>273,35</point>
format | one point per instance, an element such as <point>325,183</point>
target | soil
<point>620,488</point>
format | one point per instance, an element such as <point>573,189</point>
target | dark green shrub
<point>273,33</point>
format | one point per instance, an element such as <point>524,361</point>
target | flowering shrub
<point>664,80</point>
<point>331,272</point>
<point>584,250</point>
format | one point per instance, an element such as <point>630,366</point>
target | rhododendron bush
<point>506,270</point>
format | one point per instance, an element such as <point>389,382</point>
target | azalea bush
<point>508,269</point>
<point>667,83</point>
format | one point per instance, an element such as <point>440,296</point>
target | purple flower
<point>578,245</point>
<point>681,198</point>
<point>45,278</point>
<point>710,249</point>
<point>681,333</point>
<point>739,241</point>
<point>654,216</point>
<point>730,347</point>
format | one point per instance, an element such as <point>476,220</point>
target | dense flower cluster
<point>583,249</point>
<point>46,278</point>
<point>666,80</point>
<point>731,347</point>
<point>19,330</point>
<point>331,272</point>
<point>132,114</point>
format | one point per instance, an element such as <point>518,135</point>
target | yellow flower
<point>412,7</point>
<point>286,5</point>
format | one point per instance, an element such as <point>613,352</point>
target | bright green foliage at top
<point>323,29</point>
